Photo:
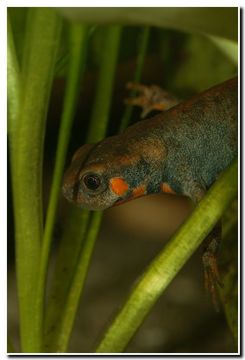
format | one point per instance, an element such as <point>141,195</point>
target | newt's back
<point>200,136</point>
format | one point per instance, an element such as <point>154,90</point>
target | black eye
<point>92,181</point>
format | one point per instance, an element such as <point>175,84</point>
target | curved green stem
<point>170,260</point>
<point>77,65</point>
<point>27,153</point>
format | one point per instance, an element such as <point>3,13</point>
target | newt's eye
<point>92,182</point>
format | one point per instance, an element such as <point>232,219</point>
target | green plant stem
<point>76,69</point>
<point>143,43</point>
<point>10,345</point>
<point>13,72</point>
<point>78,284</point>
<point>97,130</point>
<point>41,44</point>
<point>66,261</point>
<point>78,41</point>
<point>103,96</point>
<point>170,260</point>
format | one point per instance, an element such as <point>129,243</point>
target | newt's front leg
<point>211,248</point>
<point>151,98</point>
<point>209,259</point>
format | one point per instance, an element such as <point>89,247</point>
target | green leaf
<point>200,69</point>
<point>228,47</point>
<point>18,17</point>
<point>217,21</point>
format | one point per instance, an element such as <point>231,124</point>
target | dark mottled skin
<point>186,147</point>
<point>201,139</point>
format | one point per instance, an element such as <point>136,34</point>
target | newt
<point>180,151</point>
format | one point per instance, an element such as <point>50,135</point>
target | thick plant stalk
<point>97,130</point>
<point>26,143</point>
<point>166,265</point>
<point>13,82</point>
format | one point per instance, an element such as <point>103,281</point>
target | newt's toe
<point>211,276</point>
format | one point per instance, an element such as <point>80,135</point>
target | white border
<point>3,144</point>
<point>116,3</point>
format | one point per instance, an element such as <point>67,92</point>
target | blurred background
<point>184,319</point>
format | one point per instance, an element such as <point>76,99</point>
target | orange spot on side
<point>139,191</point>
<point>118,186</point>
<point>167,189</point>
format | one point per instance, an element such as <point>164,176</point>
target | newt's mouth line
<point>122,201</point>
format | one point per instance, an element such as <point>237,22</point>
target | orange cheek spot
<point>118,186</point>
<point>167,189</point>
<point>139,191</point>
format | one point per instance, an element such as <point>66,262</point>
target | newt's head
<point>113,171</point>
